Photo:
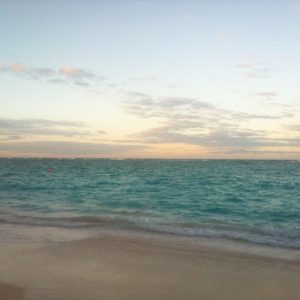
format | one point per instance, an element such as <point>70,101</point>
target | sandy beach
<point>130,267</point>
<point>10,292</point>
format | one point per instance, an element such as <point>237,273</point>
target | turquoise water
<point>252,201</point>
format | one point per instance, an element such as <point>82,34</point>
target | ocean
<point>252,201</point>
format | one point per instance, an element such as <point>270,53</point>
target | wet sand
<point>9,292</point>
<point>130,267</point>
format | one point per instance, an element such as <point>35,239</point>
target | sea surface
<point>252,201</point>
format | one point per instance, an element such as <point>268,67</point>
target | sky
<point>215,79</point>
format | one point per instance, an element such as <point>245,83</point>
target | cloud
<point>144,105</point>
<point>255,70</point>
<point>260,73</point>
<point>81,83</point>
<point>66,148</point>
<point>272,98</point>
<point>144,78</point>
<point>70,71</point>
<point>18,68</point>
<point>78,74</point>
<point>214,138</point>
<point>64,75</point>
<point>267,94</point>
<point>172,86</point>
<point>29,72</point>
<point>221,138</point>
<point>255,151</point>
<point>11,129</point>
<point>294,127</point>
<point>292,142</point>
<point>12,123</point>
<point>191,121</point>
<point>59,81</point>
<point>14,134</point>
<point>247,116</point>
<point>247,65</point>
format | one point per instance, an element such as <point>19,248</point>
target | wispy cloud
<point>144,78</point>
<point>82,83</point>
<point>260,73</point>
<point>64,75</point>
<point>40,137</point>
<point>255,70</point>
<point>78,74</point>
<point>248,65</point>
<point>273,99</point>
<point>12,129</point>
<point>179,108</point>
<point>267,94</point>
<point>263,152</point>
<point>46,148</point>
<point>144,105</point>
<point>219,138</point>
<point>294,127</point>
<point>191,121</point>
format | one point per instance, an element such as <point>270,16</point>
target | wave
<point>69,222</point>
<point>275,237</point>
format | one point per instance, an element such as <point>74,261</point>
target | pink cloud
<point>69,71</point>
<point>18,68</point>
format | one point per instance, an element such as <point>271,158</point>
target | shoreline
<point>26,233</point>
<point>136,266</point>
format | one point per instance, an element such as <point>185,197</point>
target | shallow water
<point>253,201</point>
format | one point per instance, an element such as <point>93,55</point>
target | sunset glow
<point>150,79</point>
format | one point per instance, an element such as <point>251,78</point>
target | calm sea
<point>251,201</point>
